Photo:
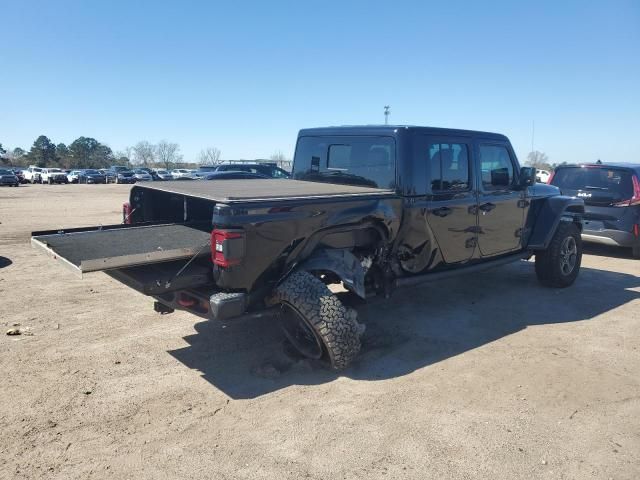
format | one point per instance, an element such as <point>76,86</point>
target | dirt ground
<point>491,376</point>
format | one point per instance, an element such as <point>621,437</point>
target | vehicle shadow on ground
<point>5,262</point>
<point>607,251</point>
<point>415,328</point>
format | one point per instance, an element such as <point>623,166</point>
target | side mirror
<point>527,176</point>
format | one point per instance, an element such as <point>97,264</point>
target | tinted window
<point>449,167</point>
<point>366,161</point>
<point>616,182</point>
<point>496,167</point>
<point>280,173</point>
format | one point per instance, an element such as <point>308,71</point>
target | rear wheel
<point>559,264</point>
<point>635,251</point>
<point>315,321</point>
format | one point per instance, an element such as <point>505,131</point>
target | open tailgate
<point>108,247</point>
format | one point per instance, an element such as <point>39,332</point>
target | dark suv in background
<point>119,174</point>
<point>611,194</point>
<point>269,170</point>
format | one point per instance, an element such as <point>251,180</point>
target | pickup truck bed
<point>94,249</point>
<point>232,191</point>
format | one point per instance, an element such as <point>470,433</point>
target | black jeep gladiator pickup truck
<point>374,208</point>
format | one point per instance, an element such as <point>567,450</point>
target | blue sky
<point>246,76</point>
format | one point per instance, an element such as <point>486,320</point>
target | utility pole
<point>386,114</point>
<point>533,131</point>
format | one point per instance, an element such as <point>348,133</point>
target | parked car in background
<point>142,175</point>
<point>542,176</point>
<point>119,174</point>
<point>72,176</point>
<point>270,170</point>
<point>53,175</point>
<point>20,174</point>
<point>91,176</point>
<point>182,173</point>
<point>8,177</point>
<point>162,174</point>
<point>232,175</point>
<point>32,174</point>
<point>611,194</point>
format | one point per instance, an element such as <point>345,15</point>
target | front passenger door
<point>500,212</point>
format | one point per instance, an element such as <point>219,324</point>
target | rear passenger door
<point>500,201</point>
<point>451,210</point>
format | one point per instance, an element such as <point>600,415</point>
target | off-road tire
<point>635,251</point>
<point>334,325</point>
<point>548,262</point>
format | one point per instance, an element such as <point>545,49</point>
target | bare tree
<point>278,157</point>
<point>539,160</point>
<point>281,160</point>
<point>209,156</point>
<point>144,153</point>
<point>168,154</point>
<point>17,156</point>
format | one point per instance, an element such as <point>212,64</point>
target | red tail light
<point>636,230</point>
<point>126,213</point>
<point>635,199</point>
<point>227,247</point>
<point>553,172</point>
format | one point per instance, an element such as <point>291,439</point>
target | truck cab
<point>373,208</point>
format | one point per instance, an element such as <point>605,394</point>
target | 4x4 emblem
<point>582,194</point>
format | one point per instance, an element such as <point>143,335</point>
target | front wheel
<point>559,264</point>
<point>315,321</point>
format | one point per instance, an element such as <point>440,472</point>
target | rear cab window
<point>368,161</point>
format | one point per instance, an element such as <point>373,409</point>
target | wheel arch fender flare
<point>339,261</point>
<point>556,209</point>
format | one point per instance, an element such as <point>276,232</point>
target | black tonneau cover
<point>230,191</point>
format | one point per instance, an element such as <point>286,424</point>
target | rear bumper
<point>616,238</point>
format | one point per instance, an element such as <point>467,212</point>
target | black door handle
<point>487,207</point>
<point>442,211</point>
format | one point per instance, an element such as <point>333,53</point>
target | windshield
<point>161,172</point>
<point>366,161</point>
<point>5,172</point>
<point>613,182</point>
<point>55,170</point>
<point>92,172</point>
<point>141,172</point>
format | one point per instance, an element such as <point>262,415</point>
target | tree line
<point>87,152</point>
<point>540,160</point>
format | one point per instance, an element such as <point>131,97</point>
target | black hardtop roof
<point>392,130</point>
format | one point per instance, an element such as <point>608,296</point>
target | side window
<point>449,167</point>
<point>496,167</point>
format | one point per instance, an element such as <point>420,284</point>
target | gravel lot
<point>491,376</point>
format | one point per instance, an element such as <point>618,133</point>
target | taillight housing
<point>126,213</point>
<point>227,247</point>
<point>635,199</point>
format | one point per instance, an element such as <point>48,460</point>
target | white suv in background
<point>32,174</point>
<point>53,175</point>
<point>542,176</point>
